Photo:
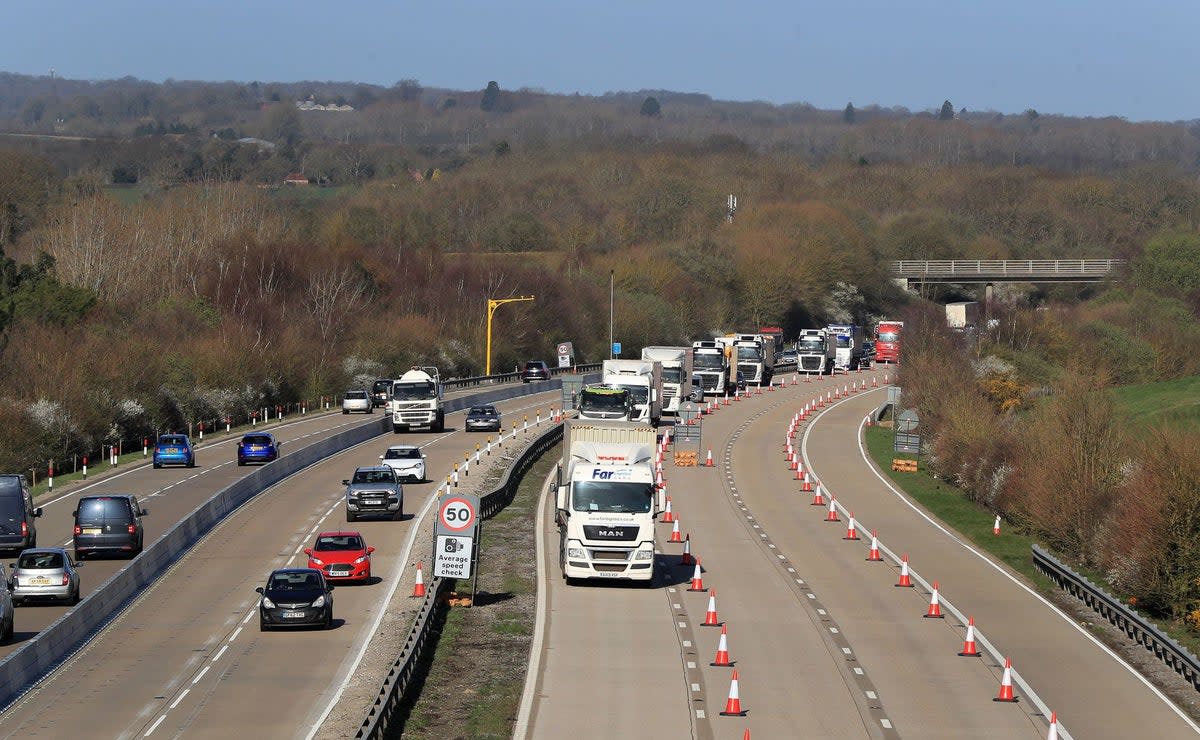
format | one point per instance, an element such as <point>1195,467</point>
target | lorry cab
<point>605,402</point>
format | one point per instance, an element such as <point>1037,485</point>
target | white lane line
<point>199,675</point>
<point>220,652</point>
<point>154,726</point>
<point>249,615</point>
<point>235,634</point>
<point>179,698</point>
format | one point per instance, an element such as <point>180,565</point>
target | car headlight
<point>267,603</point>
<point>363,559</point>
<point>576,552</point>
<point>318,561</point>
<point>320,602</point>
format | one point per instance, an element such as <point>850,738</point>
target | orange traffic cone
<point>832,516</point>
<point>818,499</point>
<point>675,536</point>
<point>905,580</point>
<point>836,394</point>
<point>874,382</point>
<point>708,461</point>
<point>668,515</point>
<point>851,529</point>
<point>873,556</point>
<point>733,705</point>
<point>697,578</point>
<point>710,616</point>
<point>1053,732</point>
<point>686,558</point>
<point>996,526</point>
<point>807,487</point>
<point>935,606</point>
<point>419,586</point>
<point>1006,690</point>
<point>722,658</point>
<point>969,650</point>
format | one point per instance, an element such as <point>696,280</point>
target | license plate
<point>39,581</point>
<point>172,450</point>
<point>606,574</point>
<point>91,530</point>
<point>373,502</point>
<point>340,572</point>
<point>292,615</point>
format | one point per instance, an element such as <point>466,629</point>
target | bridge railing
<point>1134,626</point>
<point>1013,268</point>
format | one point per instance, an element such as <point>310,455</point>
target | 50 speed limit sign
<point>457,514</point>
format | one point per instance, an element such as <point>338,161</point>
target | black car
<point>535,370</point>
<point>295,597</point>
<point>17,529</point>
<point>381,392</point>
<point>483,419</point>
<point>108,525</point>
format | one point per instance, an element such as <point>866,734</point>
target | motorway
<point>187,658</point>
<point>824,643</point>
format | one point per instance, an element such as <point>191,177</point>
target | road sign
<point>452,558</point>
<point>564,361</point>
<point>457,515</point>
<point>616,348</point>
<point>566,348</point>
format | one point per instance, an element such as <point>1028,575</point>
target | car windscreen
<point>293,582</point>
<point>339,542</point>
<point>373,476</point>
<point>100,509</point>
<point>35,560</point>
<point>405,454</point>
<point>381,386</point>
<point>482,411</point>
<point>256,439</point>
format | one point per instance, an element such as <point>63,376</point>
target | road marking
<point>235,634</point>
<point>886,723</point>
<point>872,695</point>
<point>179,699</point>
<point>695,687</point>
<point>200,675</point>
<point>154,726</point>
<point>699,714</point>
<point>220,652</point>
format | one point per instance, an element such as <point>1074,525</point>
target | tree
<point>947,112</point>
<point>26,183</point>
<point>282,125</point>
<point>848,114</point>
<point>1170,261</point>
<point>490,97</point>
<point>651,108</point>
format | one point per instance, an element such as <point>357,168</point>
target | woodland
<point>156,272</point>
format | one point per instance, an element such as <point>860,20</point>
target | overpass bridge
<point>910,272</point>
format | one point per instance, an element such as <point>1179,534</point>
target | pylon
<point>771,387</point>
<point>874,381</point>
<point>697,578</point>
<point>1006,690</point>
<point>686,558</point>
<point>726,398</point>
<point>708,461</point>
<point>905,580</point>
<point>818,499</point>
<point>832,516</point>
<point>710,616</point>
<point>851,529</point>
<point>836,394</point>
<point>668,515</point>
<point>800,475</point>
<point>969,650</point>
<point>722,658</point>
<point>935,606</point>
<point>658,478</point>
<point>419,586</point>
<point>996,526</point>
<point>807,378</point>
<point>733,705</point>
<point>675,537</point>
<point>873,556</point>
<point>1053,732</point>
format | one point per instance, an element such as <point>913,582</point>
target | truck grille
<point>810,363</point>
<point>611,533</point>
<point>620,555</point>
<point>709,381</point>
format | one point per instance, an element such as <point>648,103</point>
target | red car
<point>341,556</point>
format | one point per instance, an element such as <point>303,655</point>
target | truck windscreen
<point>816,344</point>
<point>672,374</point>
<point>639,394</point>
<point>602,402</point>
<point>617,498</point>
<point>888,336</point>
<point>413,391</point>
<point>749,353</point>
<point>708,362</point>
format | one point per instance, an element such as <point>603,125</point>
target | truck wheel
<point>439,424</point>
<point>397,429</point>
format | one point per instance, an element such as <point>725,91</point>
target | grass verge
<point>1170,403</point>
<point>477,669</point>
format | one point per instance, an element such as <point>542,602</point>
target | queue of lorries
<point>606,501</point>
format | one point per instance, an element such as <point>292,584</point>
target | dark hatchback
<point>109,525</point>
<point>535,370</point>
<point>17,528</point>
<point>482,419</point>
<point>257,447</point>
<point>295,597</point>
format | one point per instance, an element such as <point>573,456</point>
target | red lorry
<point>887,340</point>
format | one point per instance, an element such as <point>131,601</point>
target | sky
<point>1134,60</point>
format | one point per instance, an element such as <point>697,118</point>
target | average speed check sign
<point>457,514</point>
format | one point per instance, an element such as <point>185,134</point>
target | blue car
<point>257,447</point>
<point>174,449</point>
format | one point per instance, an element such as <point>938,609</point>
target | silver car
<point>357,401</point>
<point>45,573</point>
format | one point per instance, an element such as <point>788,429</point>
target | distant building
<point>295,179</point>
<point>312,104</point>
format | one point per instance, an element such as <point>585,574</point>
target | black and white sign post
<point>456,539</point>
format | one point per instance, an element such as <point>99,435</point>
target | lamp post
<point>492,305</point>
<point>611,274</point>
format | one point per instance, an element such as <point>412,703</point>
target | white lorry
<point>754,360</point>
<point>600,402</point>
<point>849,346</point>
<point>816,350</point>
<point>710,362</point>
<point>644,380</point>
<point>606,501</point>
<point>676,375</point>
<point>417,400</point>
<point>962,315</point>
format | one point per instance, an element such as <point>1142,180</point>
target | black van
<point>108,525</point>
<point>17,529</point>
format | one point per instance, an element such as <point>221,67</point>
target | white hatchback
<point>357,401</point>
<point>406,460</point>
